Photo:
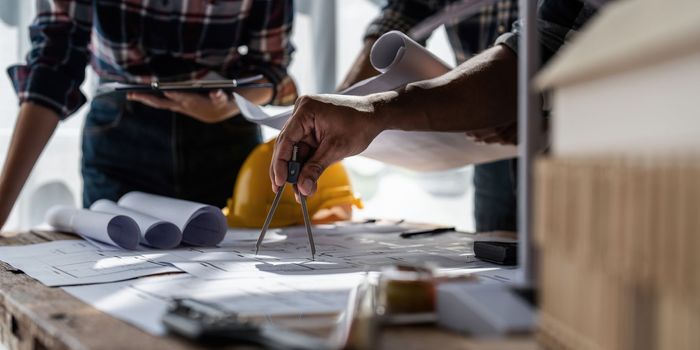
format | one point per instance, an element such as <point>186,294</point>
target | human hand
<point>502,135</point>
<point>327,128</point>
<point>214,108</point>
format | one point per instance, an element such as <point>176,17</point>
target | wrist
<point>383,110</point>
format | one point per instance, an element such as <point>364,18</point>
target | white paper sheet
<point>129,304</point>
<point>154,232</point>
<point>343,228</point>
<point>281,280</point>
<point>201,224</point>
<point>143,302</point>
<point>75,262</point>
<point>336,253</point>
<point>255,114</point>
<point>263,296</point>
<point>114,229</point>
<point>242,236</point>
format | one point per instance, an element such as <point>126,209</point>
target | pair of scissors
<point>293,170</point>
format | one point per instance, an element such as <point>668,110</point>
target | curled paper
<point>155,232</point>
<point>401,61</point>
<point>114,229</point>
<point>201,224</point>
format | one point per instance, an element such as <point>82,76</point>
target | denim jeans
<point>495,196</point>
<point>128,146</point>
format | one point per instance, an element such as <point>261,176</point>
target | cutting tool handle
<point>294,167</point>
<point>293,170</point>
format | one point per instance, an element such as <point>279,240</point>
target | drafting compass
<point>293,170</point>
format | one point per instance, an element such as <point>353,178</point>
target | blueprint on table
<point>281,280</point>
<point>76,262</point>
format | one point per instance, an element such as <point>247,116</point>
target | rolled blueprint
<point>401,61</point>
<point>155,232</point>
<point>113,229</point>
<point>201,224</point>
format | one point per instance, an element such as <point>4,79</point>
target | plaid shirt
<point>141,41</point>
<point>558,22</point>
<point>468,37</point>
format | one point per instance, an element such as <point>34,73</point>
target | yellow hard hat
<point>252,195</point>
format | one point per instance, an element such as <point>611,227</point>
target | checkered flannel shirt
<point>468,36</point>
<point>140,41</point>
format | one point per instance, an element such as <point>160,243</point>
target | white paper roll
<point>154,232</point>
<point>113,229</point>
<point>201,224</point>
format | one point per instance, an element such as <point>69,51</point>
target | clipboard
<point>194,86</point>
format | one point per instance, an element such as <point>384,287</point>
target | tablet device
<point>195,86</point>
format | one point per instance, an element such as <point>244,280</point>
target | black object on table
<point>497,252</point>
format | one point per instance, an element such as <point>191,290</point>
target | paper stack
<point>142,218</point>
<point>617,243</point>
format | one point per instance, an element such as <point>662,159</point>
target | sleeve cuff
<point>45,86</point>
<point>510,40</point>
<point>386,22</point>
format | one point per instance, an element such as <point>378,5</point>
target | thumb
<point>313,168</point>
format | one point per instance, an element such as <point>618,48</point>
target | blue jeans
<point>495,196</point>
<point>128,146</point>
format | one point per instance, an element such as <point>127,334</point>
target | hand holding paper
<point>420,127</point>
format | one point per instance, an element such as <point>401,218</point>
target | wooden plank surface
<point>33,316</point>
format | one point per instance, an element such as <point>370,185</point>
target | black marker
<point>430,232</point>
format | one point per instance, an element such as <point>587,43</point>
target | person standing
<point>182,145</point>
<point>495,183</point>
<point>478,95</point>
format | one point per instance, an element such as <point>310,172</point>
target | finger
<point>480,134</point>
<point>218,98</point>
<point>483,136</point>
<point>293,132</point>
<point>501,138</point>
<point>280,160</point>
<point>154,101</point>
<point>323,156</point>
<point>491,133</point>
<point>297,194</point>
<point>179,96</point>
<point>493,139</point>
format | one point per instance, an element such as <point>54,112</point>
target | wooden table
<point>34,316</point>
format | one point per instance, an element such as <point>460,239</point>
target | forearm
<point>480,93</point>
<point>34,128</point>
<point>362,68</point>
